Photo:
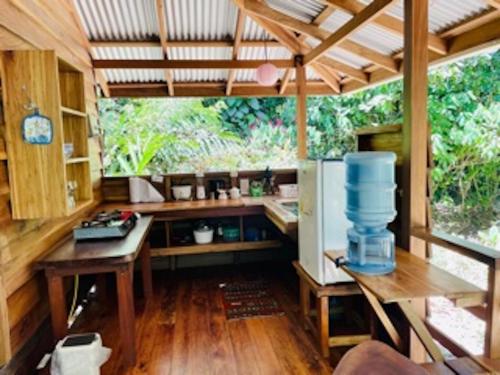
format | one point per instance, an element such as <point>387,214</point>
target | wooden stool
<point>321,330</point>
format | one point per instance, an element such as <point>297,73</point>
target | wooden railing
<point>490,312</point>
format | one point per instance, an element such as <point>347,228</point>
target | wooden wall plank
<point>31,24</point>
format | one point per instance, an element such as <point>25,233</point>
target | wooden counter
<point>245,206</point>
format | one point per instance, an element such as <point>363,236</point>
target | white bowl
<point>182,192</point>
<point>203,236</point>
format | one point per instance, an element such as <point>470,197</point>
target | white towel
<point>141,190</point>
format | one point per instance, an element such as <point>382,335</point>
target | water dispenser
<point>370,191</point>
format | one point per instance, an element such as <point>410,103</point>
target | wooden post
<point>492,336</point>
<point>415,133</point>
<point>5,349</point>
<point>300,78</point>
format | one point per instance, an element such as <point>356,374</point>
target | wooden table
<point>413,278</point>
<point>98,257</point>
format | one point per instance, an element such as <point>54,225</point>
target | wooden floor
<point>183,328</point>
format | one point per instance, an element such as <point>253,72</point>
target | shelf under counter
<point>215,247</point>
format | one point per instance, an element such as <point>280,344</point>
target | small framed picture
<point>37,129</point>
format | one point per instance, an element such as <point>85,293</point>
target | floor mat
<point>249,299</point>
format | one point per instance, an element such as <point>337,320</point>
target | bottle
<point>200,187</point>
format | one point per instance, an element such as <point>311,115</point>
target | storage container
<point>370,192</point>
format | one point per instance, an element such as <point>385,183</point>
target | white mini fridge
<point>322,221</point>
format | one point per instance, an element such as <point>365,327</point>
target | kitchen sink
<point>290,206</point>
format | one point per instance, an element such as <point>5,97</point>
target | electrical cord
<point>75,295</point>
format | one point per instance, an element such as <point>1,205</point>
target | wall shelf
<point>72,112</point>
<point>40,177</point>
<point>83,159</point>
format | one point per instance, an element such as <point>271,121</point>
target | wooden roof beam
<point>471,23</point>
<point>188,64</point>
<point>221,43</point>
<point>310,29</point>
<point>162,29</point>
<point>289,40</point>
<point>240,23</point>
<point>484,36</point>
<point>387,22</point>
<point>216,89</point>
<point>360,19</point>
<point>285,79</point>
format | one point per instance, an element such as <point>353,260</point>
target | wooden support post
<point>5,348</point>
<point>300,77</point>
<point>492,336</point>
<point>415,135</point>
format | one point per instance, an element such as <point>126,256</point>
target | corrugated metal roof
<point>216,20</point>
<point>118,19</point>
<point>200,19</point>
<point>304,10</point>
<point>200,53</point>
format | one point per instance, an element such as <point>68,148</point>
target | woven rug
<point>249,299</point>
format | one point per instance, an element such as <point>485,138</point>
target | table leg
<point>126,312</point>
<point>57,303</point>
<point>421,331</point>
<point>323,325</point>
<point>305,302</point>
<point>147,281</point>
<point>384,319</point>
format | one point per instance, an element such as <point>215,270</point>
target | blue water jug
<point>370,191</point>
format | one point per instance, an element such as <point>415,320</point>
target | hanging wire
<point>30,106</point>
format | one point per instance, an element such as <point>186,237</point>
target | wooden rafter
<point>287,38</point>
<point>481,37</point>
<point>284,80</point>
<point>313,30</point>
<point>162,29</point>
<point>471,23</point>
<point>387,22</point>
<point>188,64</point>
<point>240,23</point>
<point>360,19</point>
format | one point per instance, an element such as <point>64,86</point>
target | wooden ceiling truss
<point>296,35</point>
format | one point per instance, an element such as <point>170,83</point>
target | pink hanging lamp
<point>267,73</point>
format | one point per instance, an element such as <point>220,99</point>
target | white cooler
<point>79,355</point>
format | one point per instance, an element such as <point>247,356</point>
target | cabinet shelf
<point>215,248</point>
<point>72,112</point>
<point>83,159</point>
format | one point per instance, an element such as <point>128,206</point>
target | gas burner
<point>114,224</point>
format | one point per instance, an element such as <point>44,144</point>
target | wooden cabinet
<point>39,175</point>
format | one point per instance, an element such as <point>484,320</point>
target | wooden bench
<point>321,328</point>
